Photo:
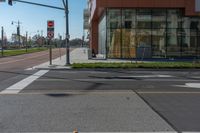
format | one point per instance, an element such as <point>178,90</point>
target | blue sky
<point>34,18</point>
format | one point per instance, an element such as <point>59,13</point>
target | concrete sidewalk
<point>78,55</point>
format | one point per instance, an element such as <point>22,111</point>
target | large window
<point>173,33</point>
<point>114,23</point>
<point>128,33</point>
<point>190,37</point>
<point>143,18</point>
<point>152,33</point>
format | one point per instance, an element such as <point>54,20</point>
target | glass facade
<point>102,37</point>
<point>149,33</point>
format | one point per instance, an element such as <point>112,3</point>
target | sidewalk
<point>79,55</point>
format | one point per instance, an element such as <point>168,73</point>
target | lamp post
<point>26,41</point>
<point>18,30</point>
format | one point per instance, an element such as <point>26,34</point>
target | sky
<point>34,18</point>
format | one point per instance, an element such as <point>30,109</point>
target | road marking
<point>193,85</point>
<point>29,69</point>
<point>115,80</point>
<point>74,93</point>
<point>173,80</point>
<point>197,77</point>
<point>170,92</point>
<point>22,59</point>
<point>96,72</point>
<point>68,72</point>
<point>189,85</point>
<point>16,88</point>
<point>148,76</point>
<point>190,132</point>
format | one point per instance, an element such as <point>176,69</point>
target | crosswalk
<point>19,86</point>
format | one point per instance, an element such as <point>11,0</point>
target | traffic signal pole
<point>65,3</point>
<point>38,4</point>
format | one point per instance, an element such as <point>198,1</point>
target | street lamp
<point>65,3</point>
<point>18,30</point>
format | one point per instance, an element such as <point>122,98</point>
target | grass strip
<point>22,51</point>
<point>152,65</point>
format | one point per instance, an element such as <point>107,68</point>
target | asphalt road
<point>104,101</point>
<point>110,100</point>
<point>12,69</point>
<point>21,62</point>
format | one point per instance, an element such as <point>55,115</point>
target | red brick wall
<point>94,36</point>
<point>189,5</point>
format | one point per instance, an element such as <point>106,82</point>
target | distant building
<point>144,28</point>
<point>15,38</point>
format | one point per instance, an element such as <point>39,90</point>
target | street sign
<point>50,29</point>
<point>50,34</point>
<point>50,24</point>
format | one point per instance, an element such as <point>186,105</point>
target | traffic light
<point>10,2</point>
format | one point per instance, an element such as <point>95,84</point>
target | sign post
<point>50,35</point>
<point>2,40</point>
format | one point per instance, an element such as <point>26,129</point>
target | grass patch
<point>22,51</point>
<point>154,65</point>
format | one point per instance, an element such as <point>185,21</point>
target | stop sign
<point>50,24</point>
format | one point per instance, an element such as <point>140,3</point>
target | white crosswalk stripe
<point>19,86</point>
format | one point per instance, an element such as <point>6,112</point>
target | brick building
<point>144,28</point>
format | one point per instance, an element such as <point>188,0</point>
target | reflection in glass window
<point>158,43</point>
<point>173,18</point>
<point>128,18</point>
<point>102,37</point>
<point>173,44</point>
<point>147,33</point>
<point>158,18</point>
<point>143,18</point>
<point>114,33</point>
<point>114,18</point>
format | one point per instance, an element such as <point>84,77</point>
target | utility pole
<point>65,3</point>
<point>2,40</point>
<point>26,41</point>
<point>18,32</point>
